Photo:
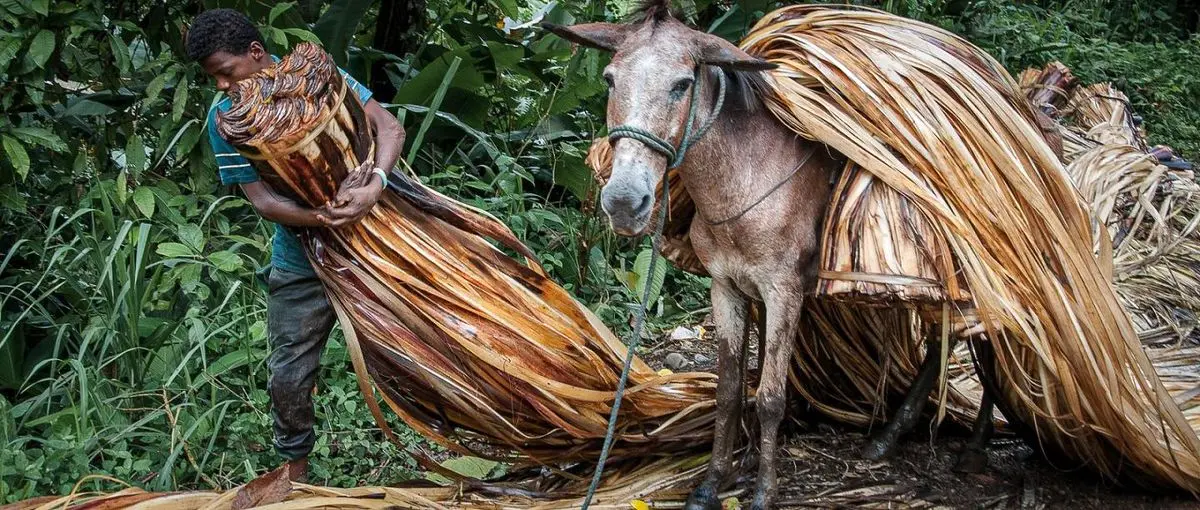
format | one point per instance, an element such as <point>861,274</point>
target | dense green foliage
<point>132,332</point>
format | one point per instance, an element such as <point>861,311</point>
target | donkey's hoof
<point>971,461</point>
<point>703,498</point>
<point>876,449</point>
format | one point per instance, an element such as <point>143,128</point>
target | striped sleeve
<point>232,167</point>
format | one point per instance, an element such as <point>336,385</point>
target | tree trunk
<point>396,32</point>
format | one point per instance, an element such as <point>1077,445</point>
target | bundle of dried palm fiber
<point>473,349</point>
<point>1150,210</point>
<point>940,122</point>
<point>931,217</point>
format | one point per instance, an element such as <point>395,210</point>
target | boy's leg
<point>299,319</point>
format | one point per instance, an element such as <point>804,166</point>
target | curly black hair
<point>225,30</point>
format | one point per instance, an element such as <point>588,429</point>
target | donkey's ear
<point>602,36</point>
<point>721,53</point>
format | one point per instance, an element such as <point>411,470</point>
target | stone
<point>675,361</point>
<point>701,359</point>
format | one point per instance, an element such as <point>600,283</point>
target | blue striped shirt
<point>286,252</point>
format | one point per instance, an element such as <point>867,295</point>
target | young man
<point>299,316</point>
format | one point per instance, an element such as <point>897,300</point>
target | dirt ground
<point>821,465</point>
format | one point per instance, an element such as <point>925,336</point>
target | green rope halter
<point>675,156</point>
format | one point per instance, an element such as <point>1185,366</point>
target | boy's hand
<point>356,195</point>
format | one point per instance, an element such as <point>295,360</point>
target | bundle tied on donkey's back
<point>472,348</point>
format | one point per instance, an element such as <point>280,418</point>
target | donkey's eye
<point>680,87</point>
<point>608,79</point>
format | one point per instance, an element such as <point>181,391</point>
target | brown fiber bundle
<point>939,121</point>
<point>472,348</point>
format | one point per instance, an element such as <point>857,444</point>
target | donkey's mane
<point>653,11</point>
<point>745,87</point>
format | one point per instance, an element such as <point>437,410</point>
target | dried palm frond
<point>472,348</point>
<point>942,123</point>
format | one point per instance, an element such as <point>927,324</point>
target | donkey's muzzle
<point>629,213</point>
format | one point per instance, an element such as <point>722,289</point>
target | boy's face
<point>228,69</point>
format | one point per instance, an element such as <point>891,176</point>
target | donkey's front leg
<point>783,315</point>
<point>729,314</point>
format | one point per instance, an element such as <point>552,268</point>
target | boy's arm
<point>354,203</point>
<point>278,209</point>
<point>234,169</point>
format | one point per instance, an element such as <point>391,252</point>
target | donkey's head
<point>650,79</point>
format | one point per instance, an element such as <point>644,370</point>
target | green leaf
<point>505,56</point>
<point>173,250</point>
<point>180,100</point>
<point>337,26</point>
<point>303,35</point>
<point>508,7</point>
<point>192,236</point>
<point>85,108</point>
<point>41,137</point>
<point>9,46</point>
<point>226,261</point>
<point>120,52</point>
<point>641,267</point>
<point>143,198</point>
<point>122,186</point>
<point>16,155</point>
<point>11,199</point>
<point>473,467</point>
<point>155,87</point>
<point>40,6</point>
<point>278,9</point>
<point>41,48</point>
<point>278,37</point>
<point>187,142</point>
<point>135,156</point>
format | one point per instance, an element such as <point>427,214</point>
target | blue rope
<point>675,158</point>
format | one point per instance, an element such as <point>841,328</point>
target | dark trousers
<point>299,319</point>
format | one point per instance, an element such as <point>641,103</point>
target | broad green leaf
<point>86,107</point>
<point>192,236</point>
<point>173,250</point>
<point>41,137</point>
<point>122,186</point>
<point>278,9</point>
<point>187,142</point>
<point>40,6</point>
<point>473,467</point>
<point>9,46</point>
<point>225,261</point>
<point>155,87</point>
<point>41,48</point>
<point>641,267</point>
<point>575,176</point>
<point>180,100</point>
<point>337,26</point>
<point>278,37</point>
<point>303,35</point>
<point>16,155</point>
<point>505,56</point>
<point>135,156</point>
<point>120,52</point>
<point>143,198</point>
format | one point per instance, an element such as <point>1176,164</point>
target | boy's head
<point>227,45</point>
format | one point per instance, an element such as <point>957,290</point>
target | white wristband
<point>382,175</point>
